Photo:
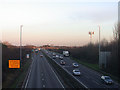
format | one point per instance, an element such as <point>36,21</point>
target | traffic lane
<point>34,79</point>
<point>51,80</point>
<point>41,75</point>
<point>82,78</point>
<point>50,77</point>
<point>89,82</point>
<point>94,79</point>
<point>95,76</point>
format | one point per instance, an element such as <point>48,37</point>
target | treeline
<point>90,53</point>
<point>12,53</point>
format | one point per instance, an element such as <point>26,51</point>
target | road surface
<point>89,77</point>
<point>41,74</point>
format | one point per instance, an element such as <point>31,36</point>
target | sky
<point>57,22</point>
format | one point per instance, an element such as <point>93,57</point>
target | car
<point>75,65</point>
<point>54,54</point>
<point>60,57</point>
<point>41,55</point>
<point>107,80</point>
<point>54,57</point>
<point>62,62</point>
<point>57,56</point>
<point>76,72</point>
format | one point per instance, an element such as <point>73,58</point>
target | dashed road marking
<point>95,82</point>
<point>43,85</point>
<point>66,66</point>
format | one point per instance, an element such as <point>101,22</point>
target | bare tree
<point>116,32</point>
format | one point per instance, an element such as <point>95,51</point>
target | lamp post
<point>99,46</point>
<point>91,33</point>
<point>21,42</point>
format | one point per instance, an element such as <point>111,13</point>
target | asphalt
<point>41,74</point>
<point>89,78</point>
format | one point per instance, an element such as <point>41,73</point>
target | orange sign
<point>14,63</point>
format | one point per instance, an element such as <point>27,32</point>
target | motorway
<point>41,74</point>
<point>88,78</point>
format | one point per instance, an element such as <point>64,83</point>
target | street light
<point>21,42</point>
<point>91,33</point>
<point>99,46</point>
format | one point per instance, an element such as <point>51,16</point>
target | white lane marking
<point>70,74</point>
<point>42,74</point>
<point>43,79</point>
<point>28,79</point>
<point>66,66</point>
<point>55,75</point>
<point>95,82</point>
<point>29,75</point>
<point>87,77</point>
<point>43,85</point>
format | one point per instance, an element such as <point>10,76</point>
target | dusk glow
<point>57,23</point>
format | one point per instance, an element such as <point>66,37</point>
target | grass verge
<point>22,74</point>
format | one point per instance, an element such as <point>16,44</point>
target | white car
<point>107,80</point>
<point>57,56</point>
<point>76,72</point>
<point>75,65</point>
<point>54,54</point>
<point>61,57</point>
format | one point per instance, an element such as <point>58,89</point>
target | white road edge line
<point>70,74</point>
<point>29,75</point>
<point>56,75</point>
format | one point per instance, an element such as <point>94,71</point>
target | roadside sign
<point>27,56</point>
<point>14,63</point>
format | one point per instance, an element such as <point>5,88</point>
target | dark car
<point>62,62</point>
<point>107,80</point>
<point>54,57</point>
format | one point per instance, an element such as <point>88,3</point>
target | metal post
<point>21,42</point>
<point>99,46</point>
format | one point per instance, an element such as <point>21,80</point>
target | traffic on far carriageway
<point>84,75</point>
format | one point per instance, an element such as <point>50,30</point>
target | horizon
<point>59,23</point>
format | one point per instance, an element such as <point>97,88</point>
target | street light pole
<point>99,46</point>
<point>21,42</point>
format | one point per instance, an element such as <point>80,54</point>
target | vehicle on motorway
<point>54,57</point>
<point>66,53</point>
<point>32,50</point>
<point>107,80</point>
<point>60,57</point>
<point>54,54</point>
<point>57,56</point>
<point>41,55</point>
<point>62,62</point>
<point>75,65</point>
<point>36,51</point>
<point>76,72</point>
<point>39,49</point>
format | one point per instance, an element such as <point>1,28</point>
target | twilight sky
<point>57,22</point>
